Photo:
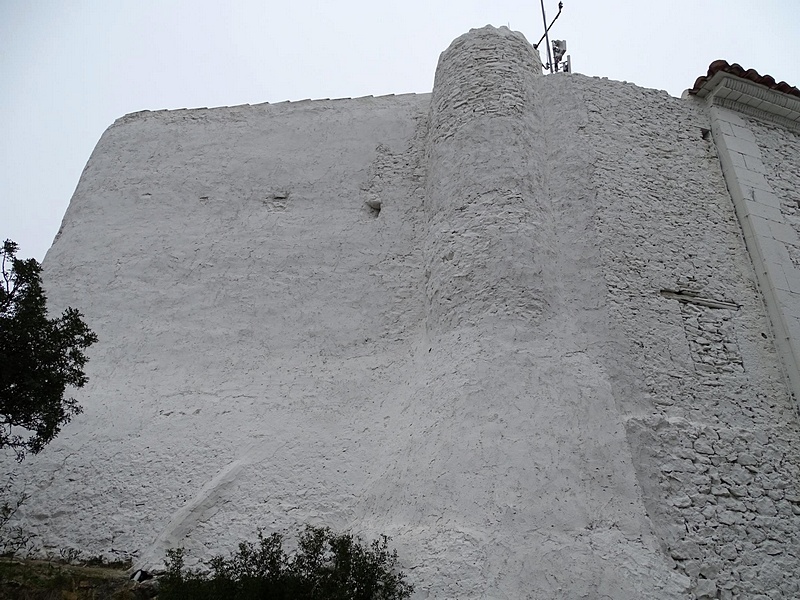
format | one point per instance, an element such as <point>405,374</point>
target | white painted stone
<point>766,197</point>
<point>705,589</point>
<point>764,211</point>
<point>743,133</point>
<point>490,369</point>
<point>742,146</point>
<point>754,164</point>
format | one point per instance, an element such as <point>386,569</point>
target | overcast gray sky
<point>69,68</point>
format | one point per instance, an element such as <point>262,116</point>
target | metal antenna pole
<point>547,39</point>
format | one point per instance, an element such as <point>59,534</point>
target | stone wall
<point>513,324</point>
<point>515,339</point>
<point>249,305</point>
<point>710,419</point>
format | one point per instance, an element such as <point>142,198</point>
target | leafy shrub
<point>39,358</point>
<point>326,566</point>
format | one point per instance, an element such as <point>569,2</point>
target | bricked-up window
<point>709,328</point>
<point>711,338</point>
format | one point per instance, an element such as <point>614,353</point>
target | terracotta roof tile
<point>749,74</point>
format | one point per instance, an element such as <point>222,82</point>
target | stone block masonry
<point>513,324</point>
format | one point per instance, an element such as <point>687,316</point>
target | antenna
<point>559,46</point>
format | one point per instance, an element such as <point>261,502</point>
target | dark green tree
<point>39,358</point>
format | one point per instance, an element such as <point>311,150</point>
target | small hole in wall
<point>374,207</point>
<point>277,200</point>
<point>705,133</point>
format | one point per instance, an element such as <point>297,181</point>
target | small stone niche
<point>374,207</point>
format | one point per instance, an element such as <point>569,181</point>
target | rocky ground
<point>43,580</point>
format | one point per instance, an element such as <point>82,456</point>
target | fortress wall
<point>496,367</point>
<point>316,461</point>
<point>711,424</point>
<point>248,304</point>
<point>513,440</point>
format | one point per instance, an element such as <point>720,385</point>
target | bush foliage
<point>326,566</point>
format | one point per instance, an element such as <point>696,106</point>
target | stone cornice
<point>752,99</point>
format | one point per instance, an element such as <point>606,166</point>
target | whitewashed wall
<point>501,367</point>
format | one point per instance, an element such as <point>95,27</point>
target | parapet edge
<point>197,112</point>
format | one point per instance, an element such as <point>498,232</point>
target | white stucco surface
<point>513,324</point>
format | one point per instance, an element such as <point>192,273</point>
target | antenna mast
<point>546,36</point>
<point>559,46</point>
